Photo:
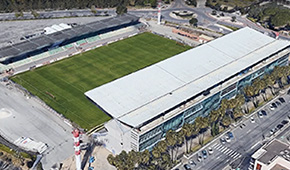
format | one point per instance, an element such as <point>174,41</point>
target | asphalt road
<point>246,140</point>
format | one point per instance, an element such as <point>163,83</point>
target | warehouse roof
<point>80,30</point>
<point>143,95</point>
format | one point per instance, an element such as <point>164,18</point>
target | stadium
<point>146,104</point>
<point>67,42</point>
<point>61,75</point>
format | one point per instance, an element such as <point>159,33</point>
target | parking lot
<point>238,143</point>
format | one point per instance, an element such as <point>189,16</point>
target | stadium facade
<point>47,45</point>
<point>146,104</point>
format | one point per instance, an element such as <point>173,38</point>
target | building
<point>272,156</point>
<point>146,104</point>
<point>62,35</point>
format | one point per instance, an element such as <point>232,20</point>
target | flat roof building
<point>272,156</point>
<point>147,103</point>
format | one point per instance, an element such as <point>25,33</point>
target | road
<point>246,140</point>
<point>204,19</point>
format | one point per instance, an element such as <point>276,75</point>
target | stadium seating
<point>68,46</point>
<point>93,39</point>
<point>55,51</point>
<point>3,68</point>
<point>81,42</point>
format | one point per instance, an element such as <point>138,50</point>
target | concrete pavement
<point>28,118</point>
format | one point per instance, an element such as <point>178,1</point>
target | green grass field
<point>62,84</point>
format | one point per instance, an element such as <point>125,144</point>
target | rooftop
<point>145,94</point>
<point>272,150</point>
<point>80,30</point>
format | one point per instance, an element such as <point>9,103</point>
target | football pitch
<point>62,85</point>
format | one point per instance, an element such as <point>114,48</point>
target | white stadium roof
<point>142,95</point>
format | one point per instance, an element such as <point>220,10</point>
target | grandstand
<point>58,42</point>
<point>146,104</point>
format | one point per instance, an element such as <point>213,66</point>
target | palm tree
<point>201,123</point>
<point>179,141</point>
<point>270,81</point>
<point>240,100</point>
<point>224,104</point>
<point>171,140</point>
<point>213,116</point>
<point>237,113</point>
<point>156,153</point>
<point>250,93</point>
<point>186,131</point>
<point>145,157</point>
<point>166,161</point>
<point>111,159</point>
<point>226,121</point>
<point>263,86</point>
<point>162,146</point>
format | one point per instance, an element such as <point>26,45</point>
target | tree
<point>179,141</point>
<point>213,117</point>
<point>145,157</point>
<point>156,153</point>
<point>186,129</point>
<point>226,121</point>
<point>93,9</point>
<point>111,159</point>
<point>193,22</point>
<point>270,81</point>
<point>153,3</point>
<point>35,14</point>
<point>171,140</point>
<point>250,93</point>
<point>121,8</point>
<point>162,146</point>
<point>200,124</point>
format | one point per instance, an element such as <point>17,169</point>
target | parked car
<point>273,106</point>
<point>230,135</point>
<point>199,158</point>
<point>278,103</point>
<point>288,92</point>
<point>222,140</point>
<point>281,99</point>
<point>228,139</point>
<point>191,163</point>
<point>187,167</point>
<point>252,120</point>
<point>260,114</point>
<point>280,126</point>
<point>204,154</point>
<point>210,151</point>
<point>264,112</point>
<point>284,122</point>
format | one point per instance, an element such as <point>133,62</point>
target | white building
<point>144,105</point>
<point>273,156</point>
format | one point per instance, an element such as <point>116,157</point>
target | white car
<point>210,151</point>
<point>252,120</point>
<point>228,139</point>
<point>199,158</point>
<point>260,114</point>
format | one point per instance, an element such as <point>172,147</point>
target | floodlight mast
<point>159,12</point>
<point>76,136</point>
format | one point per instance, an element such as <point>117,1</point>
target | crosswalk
<point>226,150</point>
